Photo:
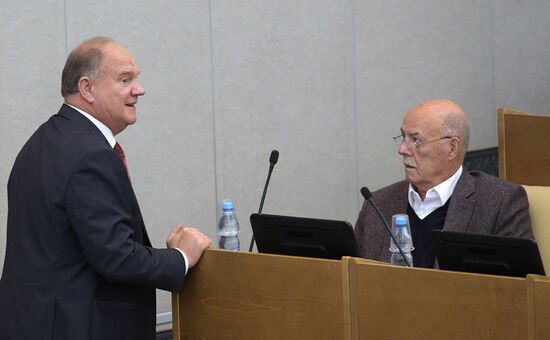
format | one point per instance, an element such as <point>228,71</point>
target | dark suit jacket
<point>480,203</point>
<point>79,264</point>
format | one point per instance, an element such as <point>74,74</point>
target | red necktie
<point>120,152</point>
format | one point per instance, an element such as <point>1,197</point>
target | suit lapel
<point>461,205</point>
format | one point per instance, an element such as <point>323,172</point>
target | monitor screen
<point>301,236</point>
<point>486,254</point>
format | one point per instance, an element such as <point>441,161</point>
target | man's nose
<point>138,90</point>
<point>404,150</point>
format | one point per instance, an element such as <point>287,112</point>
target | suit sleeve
<point>513,216</point>
<point>101,208</point>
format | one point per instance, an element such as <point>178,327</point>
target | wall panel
<point>408,52</point>
<point>522,60</point>
<point>283,79</point>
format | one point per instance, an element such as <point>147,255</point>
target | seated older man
<point>437,192</point>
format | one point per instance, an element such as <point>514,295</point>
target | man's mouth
<point>408,165</point>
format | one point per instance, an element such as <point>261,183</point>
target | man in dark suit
<point>79,263</point>
<point>437,192</point>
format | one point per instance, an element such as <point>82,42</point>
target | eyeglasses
<point>414,142</point>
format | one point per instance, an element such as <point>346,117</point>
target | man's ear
<point>454,148</point>
<point>85,88</point>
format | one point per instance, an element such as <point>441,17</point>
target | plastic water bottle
<point>402,232</point>
<point>228,227</point>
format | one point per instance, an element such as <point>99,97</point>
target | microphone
<point>273,158</point>
<point>368,195</point>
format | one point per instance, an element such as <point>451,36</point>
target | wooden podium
<point>238,295</point>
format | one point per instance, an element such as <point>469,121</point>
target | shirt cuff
<point>184,258</point>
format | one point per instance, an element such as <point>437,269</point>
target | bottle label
<point>229,230</point>
<point>229,243</point>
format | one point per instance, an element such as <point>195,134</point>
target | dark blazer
<point>480,203</point>
<point>79,264</point>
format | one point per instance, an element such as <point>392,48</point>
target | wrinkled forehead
<point>116,57</point>
<point>423,120</point>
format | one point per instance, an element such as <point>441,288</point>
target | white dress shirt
<point>435,197</point>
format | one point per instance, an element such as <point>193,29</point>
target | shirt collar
<point>102,127</point>
<point>435,197</point>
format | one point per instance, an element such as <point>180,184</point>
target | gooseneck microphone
<point>368,195</point>
<point>273,158</point>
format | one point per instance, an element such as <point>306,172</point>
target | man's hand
<point>189,240</point>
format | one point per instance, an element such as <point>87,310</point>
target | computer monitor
<point>486,254</point>
<point>302,236</point>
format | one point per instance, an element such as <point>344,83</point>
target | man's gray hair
<point>84,61</point>
<point>455,125</point>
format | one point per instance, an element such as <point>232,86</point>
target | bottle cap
<point>227,205</point>
<point>401,221</point>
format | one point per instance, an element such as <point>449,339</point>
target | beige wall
<point>323,81</point>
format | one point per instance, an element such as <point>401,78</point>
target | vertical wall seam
<point>355,113</point>
<point>66,29</point>
<point>213,101</point>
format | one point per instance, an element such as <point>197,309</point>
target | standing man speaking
<point>79,263</point>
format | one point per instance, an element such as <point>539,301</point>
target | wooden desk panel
<point>236,295</point>
<point>405,303</point>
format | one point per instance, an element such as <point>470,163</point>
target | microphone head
<point>274,157</point>
<point>366,193</point>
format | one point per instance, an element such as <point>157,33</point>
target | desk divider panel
<point>538,290</point>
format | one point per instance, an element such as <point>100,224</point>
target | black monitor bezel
<point>303,236</point>
<point>486,254</point>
